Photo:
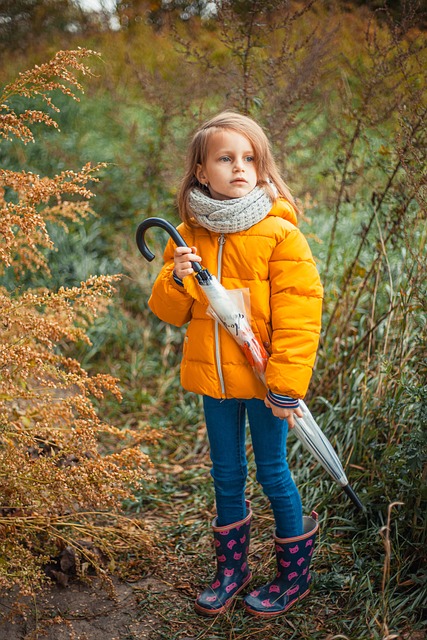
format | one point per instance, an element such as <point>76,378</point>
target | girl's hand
<point>182,261</point>
<point>284,414</point>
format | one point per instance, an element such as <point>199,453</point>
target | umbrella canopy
<point>231,316</point>
<point>310,434</point>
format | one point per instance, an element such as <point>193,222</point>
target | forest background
<point>103,457</point>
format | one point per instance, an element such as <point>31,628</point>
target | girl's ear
<point>200,175</point>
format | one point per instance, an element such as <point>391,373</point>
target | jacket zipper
<point>221,242</point>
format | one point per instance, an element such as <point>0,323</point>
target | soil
<point>136,611</point>
<point>87,612</point>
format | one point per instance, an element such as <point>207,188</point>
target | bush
<point>64,473</point>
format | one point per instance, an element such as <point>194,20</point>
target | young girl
<point>239,215</point>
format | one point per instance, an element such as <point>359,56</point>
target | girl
<point>240,216</point>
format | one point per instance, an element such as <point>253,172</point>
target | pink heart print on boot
<point>266,603</point>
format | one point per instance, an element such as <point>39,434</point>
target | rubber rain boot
<point>233,573</point>
<point>292,581</point>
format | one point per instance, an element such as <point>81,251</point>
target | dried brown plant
<point>63,472</point>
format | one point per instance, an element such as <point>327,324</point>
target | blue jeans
<point>226,426</point>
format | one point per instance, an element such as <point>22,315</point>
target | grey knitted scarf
<point>229,216</point>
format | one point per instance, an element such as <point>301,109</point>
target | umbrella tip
<point>354,497</point>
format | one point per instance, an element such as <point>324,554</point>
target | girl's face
<point>229,170</point>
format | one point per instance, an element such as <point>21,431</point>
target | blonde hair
<point>268,175</point>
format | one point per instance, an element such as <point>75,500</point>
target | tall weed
<point>64,472</point>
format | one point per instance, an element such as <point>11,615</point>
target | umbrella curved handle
<point>167,226</point>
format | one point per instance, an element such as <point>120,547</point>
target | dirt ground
<point>137,612</point>
<point>86,612</point>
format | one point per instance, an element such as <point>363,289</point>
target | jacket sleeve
<point>296,306</point>
<point>169,301</point>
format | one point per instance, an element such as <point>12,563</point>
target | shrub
<point>63,472</point>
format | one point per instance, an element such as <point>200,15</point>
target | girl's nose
<point>239,165</point>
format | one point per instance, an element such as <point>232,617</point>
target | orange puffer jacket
<point>273,260</point>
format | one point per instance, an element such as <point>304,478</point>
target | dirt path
<point>86,612</point>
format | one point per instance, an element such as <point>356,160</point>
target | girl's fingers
<point>179,251</point>
<point>194,256</point>
<point>183,259</point>
<point>185,252</point>
<point>284,414</point>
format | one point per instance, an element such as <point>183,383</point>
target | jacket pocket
<point>265,334</point>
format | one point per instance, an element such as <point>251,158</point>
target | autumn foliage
<point>63,472</point>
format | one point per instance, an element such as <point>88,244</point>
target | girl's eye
<point>228,159</point>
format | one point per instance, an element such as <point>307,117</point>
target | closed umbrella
<point>233,318</point>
